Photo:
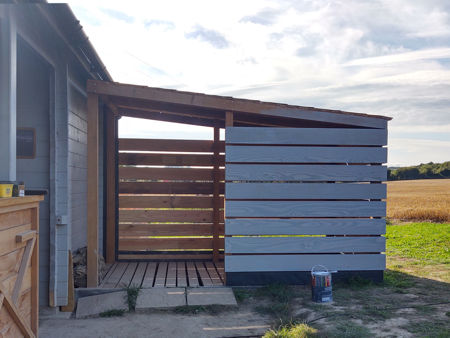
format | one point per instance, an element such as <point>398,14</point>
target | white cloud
<point>375,56</point>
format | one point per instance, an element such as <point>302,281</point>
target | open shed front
<point>291,187</point>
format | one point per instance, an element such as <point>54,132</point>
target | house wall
<point>64,137</point>
<point>33,111</point>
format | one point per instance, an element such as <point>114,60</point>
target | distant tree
<point>421,171</point>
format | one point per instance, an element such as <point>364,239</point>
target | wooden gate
<point>19,266</point>
<point>170,199</point>
<point>297,197</point>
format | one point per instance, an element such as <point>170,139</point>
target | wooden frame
<point>33,155</point>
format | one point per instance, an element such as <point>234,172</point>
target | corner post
<point>216,195</point>
<point>92,191</point>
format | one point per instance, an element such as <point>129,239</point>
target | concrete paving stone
<point>211,296</point>
<point>94,305</point>
<point>160,298</point>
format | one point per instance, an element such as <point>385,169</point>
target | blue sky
<point>382,57</point>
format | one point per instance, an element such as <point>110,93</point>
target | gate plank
<point>305,209</point>
<point>168,159</point>
<point>176,229</point>
<point>303,136</point>
<point>296,172</point>
<point>166,243</point>
<point>181,174</point>
<point>311,191</point>
<point>192,216</point>
<point>204,188</point>
<point>294,154</point>
<point>255,263</point>
<point>195,146</point>
<point>143,201</point>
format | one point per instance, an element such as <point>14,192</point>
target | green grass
<point>428,243</point>
<point>132,294</point>
<point>112,313</point>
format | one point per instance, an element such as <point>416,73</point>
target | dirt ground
<point>403,306</point>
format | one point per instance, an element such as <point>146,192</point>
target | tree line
<point>421,171</point>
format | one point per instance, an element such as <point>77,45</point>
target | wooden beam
<point>216,195</point>
<point>111,138</point>
<point>229,117</point>
<point>35,272</point>
<point>92,191</point>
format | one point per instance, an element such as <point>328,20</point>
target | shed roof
<point>204,109</point>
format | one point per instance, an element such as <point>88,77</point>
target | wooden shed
<point>289,188</point>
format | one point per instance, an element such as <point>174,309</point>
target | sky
<point>384,57</point>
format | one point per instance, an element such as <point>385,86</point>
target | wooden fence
<point>170,199</point>
<point>300,197</point>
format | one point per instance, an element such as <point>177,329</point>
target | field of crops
<point>419,200</point>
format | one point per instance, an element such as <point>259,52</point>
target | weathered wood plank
<point>304,136</point>
<point>142,201</point>
<point>319,172</point>
<point>205,188</point>
<point>167,229</point>
<point>171,279</point>
<point>205,279</point>
<point>194,216</point>
<point>295,154</point>
<point>166,243</point>
<point>309,191</point>
<point>181,274</point>
<point>111,153</point>
<point>115,276</point>
<point>127,275</point>
<point>192,274</point>
<point>139,275</point>
<point>149,276</point>
<point>304,244</point>
<point>168,159</point>
<point>339,262</point>
<point>181,174</point>
<point>196,146</point>
<point>305,209</point>
<point>332,226</point>
<point>160,279</point>
<point>218,206</point>
<point>195,255</point>
<point>215,278</point>
<point>15,218</point>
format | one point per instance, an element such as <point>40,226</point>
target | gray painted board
<point>339,262</point>
<point>332,226</point>
<point>310,191</point>
<point>302,136</point>
<point>305,209</point>
<point>295,172</point>
<point>295,154</point>
<point>304,244</point>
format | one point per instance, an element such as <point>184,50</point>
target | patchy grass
<point>348,329</point>
<point>196,309</point>
<point>435,329</point>
<point>276,292</point>
<point>132,294</point>
<point>427,243</point>
<point>292,331</point>
<point>242,294</point>
<point>419,200</point>
<point>112,313</point>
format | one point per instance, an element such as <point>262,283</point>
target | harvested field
<point>419,200</point>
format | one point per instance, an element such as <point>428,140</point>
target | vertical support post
<point>8,71</point>
<point>229,117</point>
<point>92,191</point>
<point>216,195</point>
<point>35,272</point>
<point>111,135</point>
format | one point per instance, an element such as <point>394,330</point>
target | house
<point>46,60</point>
<point>289,188</point>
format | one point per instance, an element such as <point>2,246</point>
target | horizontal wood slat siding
<point>142,201</point>
<point>303,136</point>
<point>303,244</point>
<point>304,191</point>
<point>168,159</point>
<point>166,244</point>
<point>179,174</point>
<point>167,229</point>
<point>128,144</point>
<point>304,209</point>
<point>189,215</point>
<point>295,172</point>
<point>280,154</point>
<point>257,263</point>
<point>298,197</point>
<point>168,188</point>
<point>331,226</point>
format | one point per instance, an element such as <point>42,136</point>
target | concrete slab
<point>161,298</point>
<point>211,296</point>
<point>94,305</point>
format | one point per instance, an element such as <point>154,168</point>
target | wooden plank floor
<point>164,274</point>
